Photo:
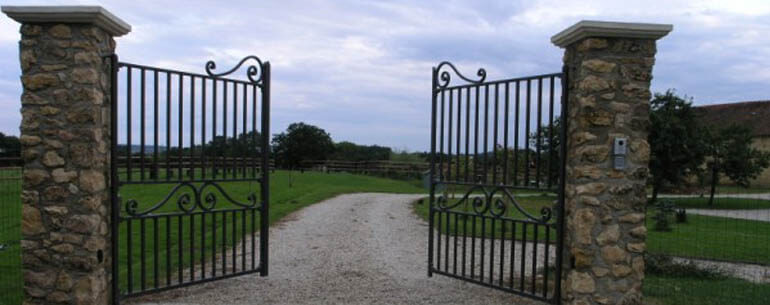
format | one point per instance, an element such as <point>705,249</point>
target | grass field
<point>665,290</point>
<point>715,238</point>
<point>719,203</point>
<point>306,188</point>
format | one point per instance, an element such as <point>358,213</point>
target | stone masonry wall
<point>609,81</point>
<point>65,146</point>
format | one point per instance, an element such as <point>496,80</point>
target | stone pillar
<point>609,68</point>
<point>65,136</point>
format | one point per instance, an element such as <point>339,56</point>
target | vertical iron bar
<point>483,248</point>
<point>243,238</point>
<point>494,141</point>
<point>204,161</point>
<point>526,135</point>
<point>523,255</point>
<point>505,136</point>
<point>155,251</point>
<point>155,125</point>
<point>129,92</point>
<point>551,148</point>
<point>459,124</point>
<point>534,256</point>
<point>234,148</point>
<point>438,242</point>
<point>513,254</point>
<point>114,183</point>
<point>449,141</point>
<point>447,231</point>
<point>465,239</point>
<point>214,152</point>
<point>441,144</point>
<point>181,130</point>
<point>547,254</point>
<point>473,246</point>
<point>254,133</point>
<point>142,258</point>
<point>516,136</point>
<point>203,244</point>
<point>168,250</point>
<point>142,123</point>
<point>502,250</point>
<point>486,135</point>
<point>130,260</point>
<point>467,130</point>
<point>235,245</point>
<point>224,240</point>
<point>192,129</point>
<point>476,140</point>
<point>537,130</point>
<point>224,163</point>
<point>432,171</point>
<point>244,142</point>
<point>168,127</point>
<point>253,239</point>
<point>265,190</point>
<point>192,247</point>
<point>214,244</point>
<point>491,250</point>
<point>454,252</point>
<point>180,248</point>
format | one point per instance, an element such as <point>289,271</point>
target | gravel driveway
<point>351,249</point>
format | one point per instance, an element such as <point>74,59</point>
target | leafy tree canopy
<point>301,142</point>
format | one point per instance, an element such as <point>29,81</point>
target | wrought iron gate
<point>188,197</point>
<point>498,144</point>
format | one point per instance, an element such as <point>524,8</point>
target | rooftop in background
<point>753,115</point>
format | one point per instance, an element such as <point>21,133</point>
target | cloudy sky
<point>362,69</point>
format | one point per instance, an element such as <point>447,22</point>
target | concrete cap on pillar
<point>589,28</point>
<point>95,15</point>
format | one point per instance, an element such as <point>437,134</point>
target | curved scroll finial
<point>445,77</point>
<point>253,72</point>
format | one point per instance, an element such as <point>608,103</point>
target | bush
<point>663,265</point>
<point>664,210</point>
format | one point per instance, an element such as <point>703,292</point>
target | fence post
<point>65,134</point>
<point>609,68</point>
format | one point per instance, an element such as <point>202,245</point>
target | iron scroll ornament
<point>188,204</point>
<point>254,72</point>
<point>490,202</point>
<point>445,77</point>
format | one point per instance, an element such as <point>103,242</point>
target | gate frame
<point>264,180</point>
<point>556,298</point>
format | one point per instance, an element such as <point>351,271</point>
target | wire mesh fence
<point>10,235</point>
<point>704,250</point>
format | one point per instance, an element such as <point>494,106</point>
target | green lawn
<point>712,237</point>
<point>10,215</point>
<point>664,290</point>
<point>306,188</point>
<point>719,203</point>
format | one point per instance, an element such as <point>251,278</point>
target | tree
<point>301,142</point>
<point>353,152</point>
<point>731,154</point>
<point>9,146</point>
<point>676,146</point>
<point>550,149</point>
